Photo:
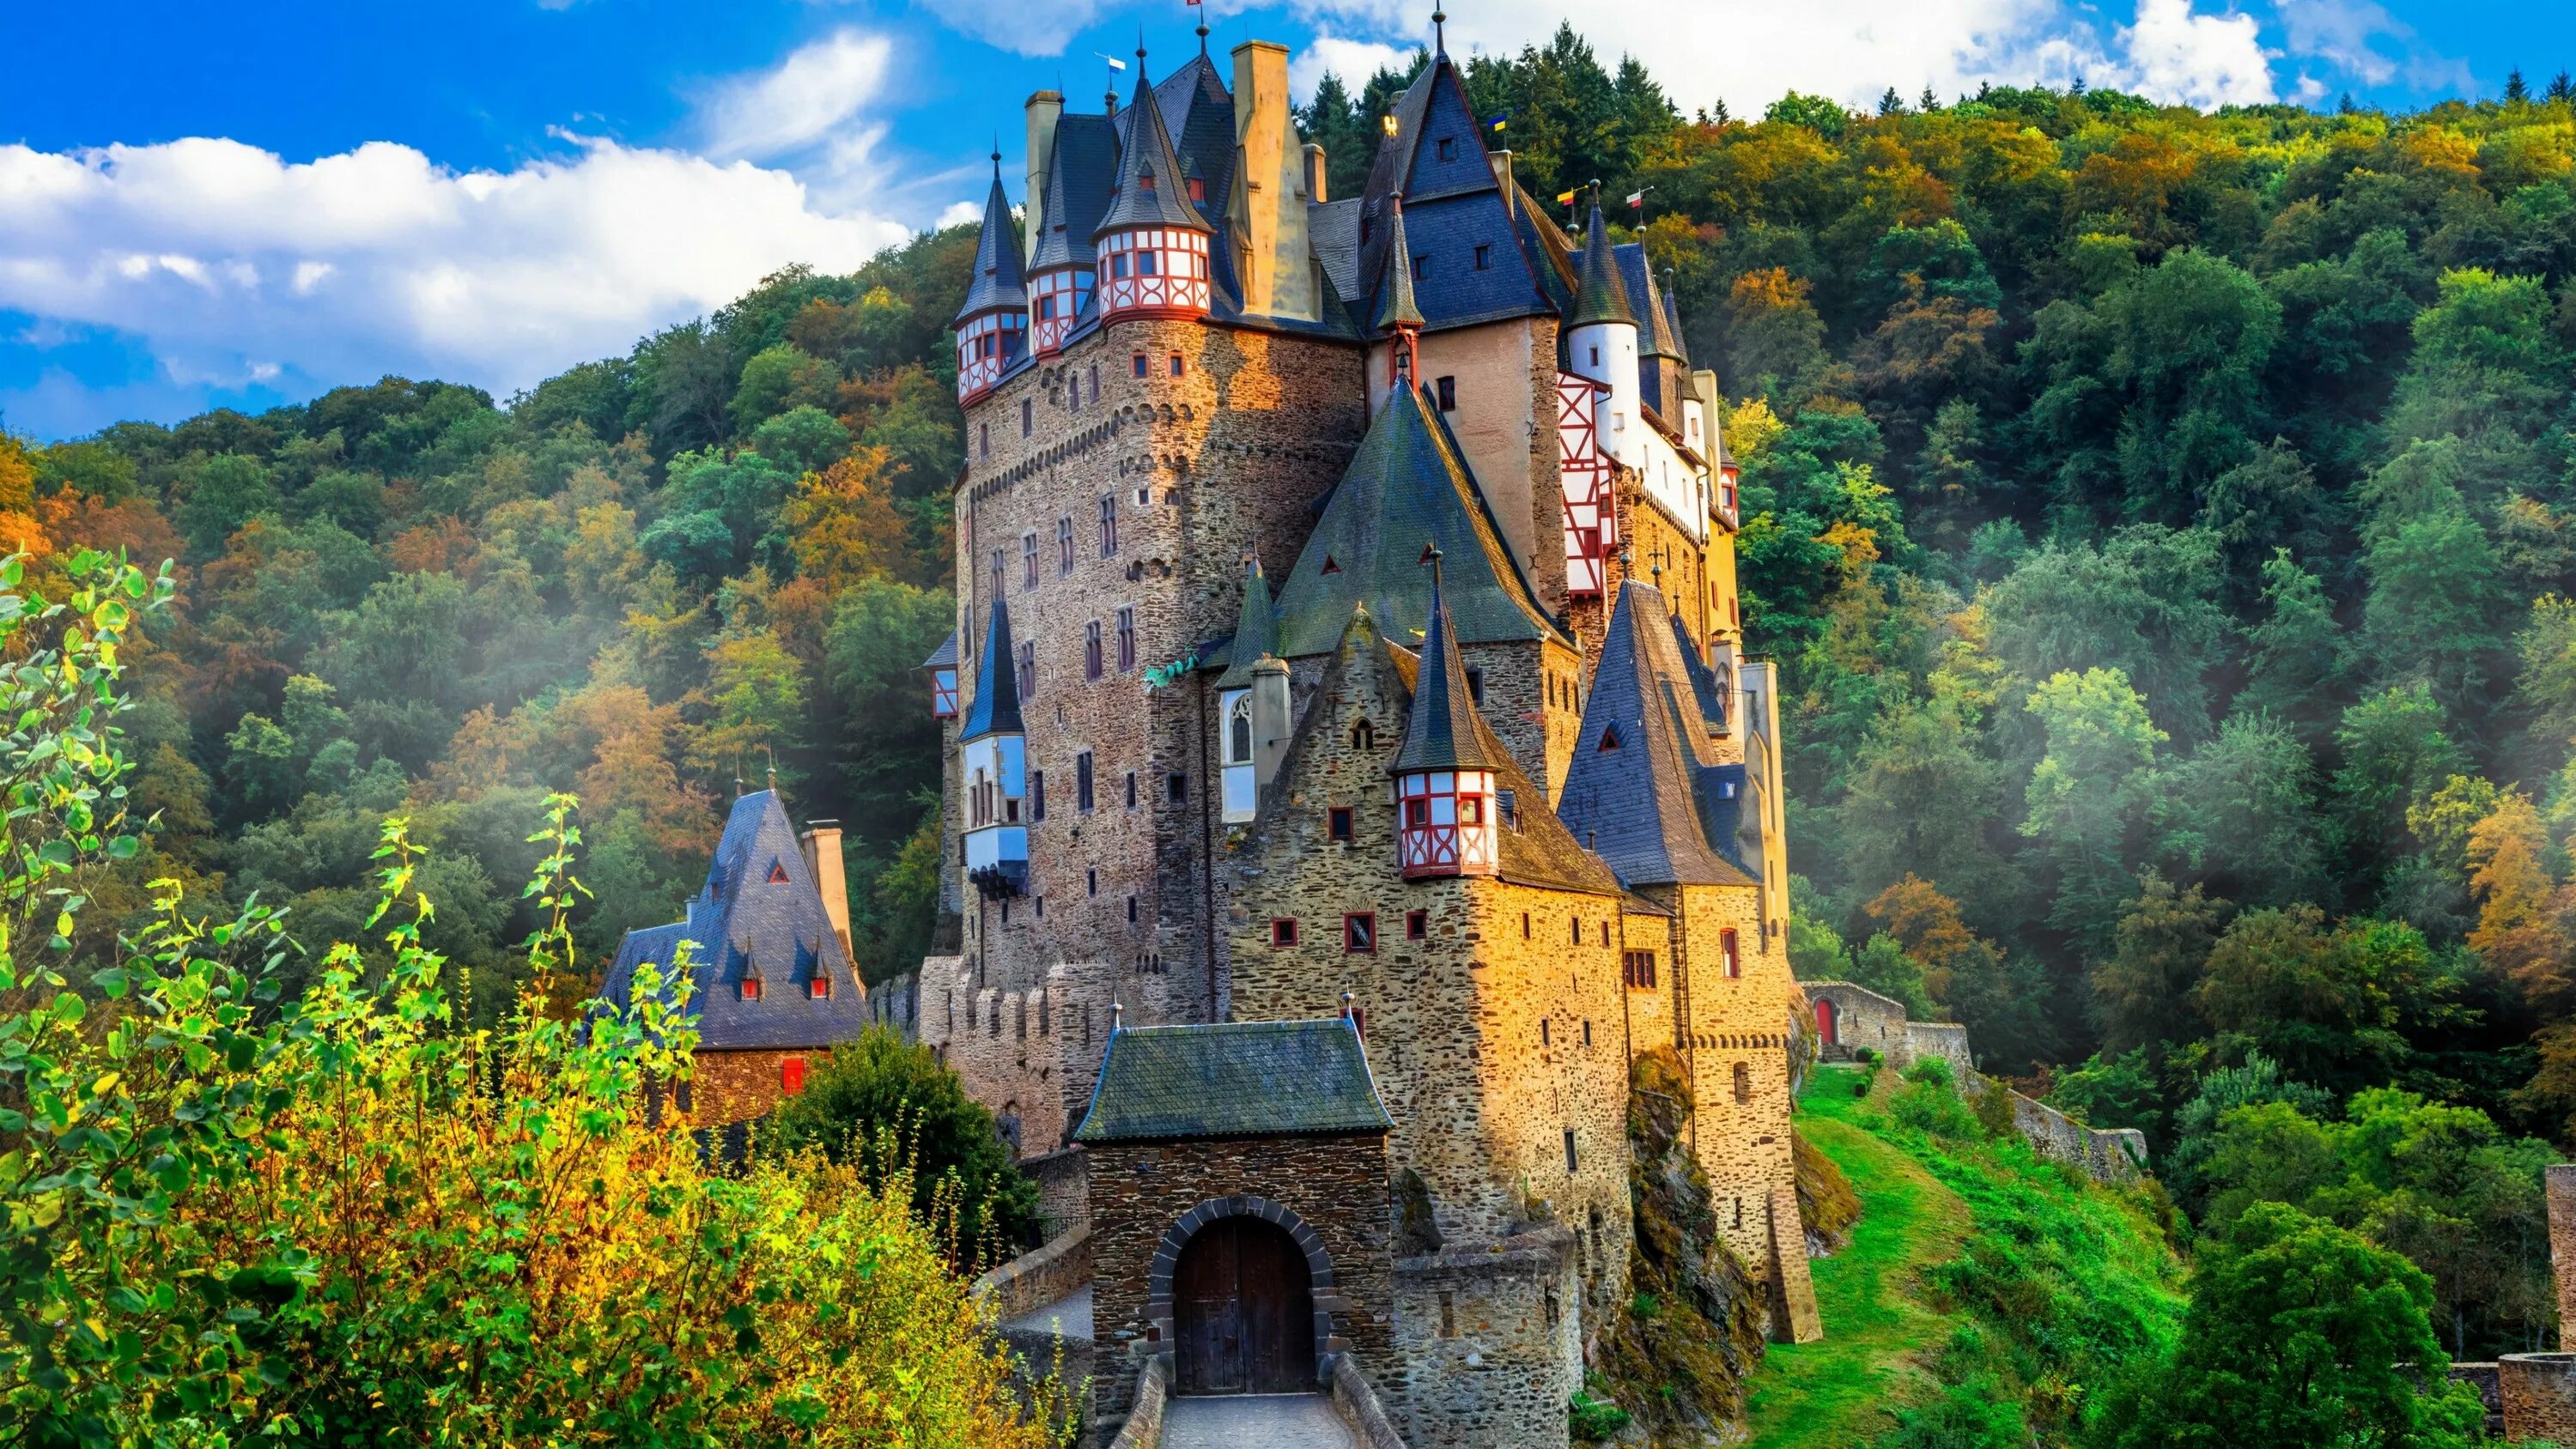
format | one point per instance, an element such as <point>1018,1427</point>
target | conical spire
<point>1256,629</point>
<point>997,281</point>
<point>1673,321</point>
<point>997,683</point>
<point>1602,296</point>
<point>1444,732</point>
<point>1395,306</point>
<point>1151,189</point>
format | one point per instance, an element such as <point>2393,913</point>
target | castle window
<point>1131,913</point>
<point>1587,1031</point>
<point>1510,803</point>
<point>1144,180</point>
<point>1331,566</point>
<point>1179,368</point>
<point>1131,789</point>
<point>1447,148</point>
<point>1072,381</point>
<point>1095,382</point>
<point>1577,924</point>
<point>1108,524</point>
<point>1596,355</point>
<point>1447,388</point>
<point>1091,661</point>
<point>1238,730</point>
<point>984,440</point>
<point>1357,1016</point>
<point>777,873</point>
<point>1126,639</point>
<point>1542,1031</point>
<point>1417,925</point>
<point>1028,671</point>
<point>1198,189</point>
<point>1340,820</point>
<point>1729,955</point>
<point>1605,933</point>
<point>1091,880</point>
<point>1448,1314</point>
<point>1064,545</point>
<point>1421,267</point>
<point>1283,931</point>
<point>1139,358</point>
<point>820,988</point>
<point>1569,1150</point>
<point>1484,259</point>
<point>1364,736</point>
<point>1028,416</point>
<point>1037,795</point>
<point>1176,789</point>
<point>1359,934</point>
<point>791,1076</point>
<point>1028,561</point>
<point>750,988</point>
<point>1118,268</point>
<point>1476,685</point>
<point>1525,925</point>
<point>1743,1083</point>
<point>1638,967</point>
<point>1148,263</point>
<point>1609,738</point>
<point>1082,782</point>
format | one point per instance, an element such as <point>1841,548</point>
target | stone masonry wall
<point>1197,469</point>
<point>726,1087</point>
<point>1336,1187</point>
<point>1488,1340</point>
<point>1863,1020</point>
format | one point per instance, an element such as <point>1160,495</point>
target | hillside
<point>1983,1292</point>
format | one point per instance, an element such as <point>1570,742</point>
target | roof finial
<point>1117,1015</point>
<point>997,155</point>
<point>1439,31</point>
<point>737,772</point>
<point>1431,556</point>
<point>773,766</point>
<point>1203,32</point>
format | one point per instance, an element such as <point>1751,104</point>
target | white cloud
<point>2341,33</point>
<point>1353,60</point>
<point>961,212</point>
<point>232,265</point>
<point>1748,52</point>
<point>2176,53</point>
<point>805,100</point>
<point>1041,28</point>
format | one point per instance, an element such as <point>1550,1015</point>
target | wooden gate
<point>1244,1311</point>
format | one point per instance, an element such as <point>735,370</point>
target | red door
<point>1826,1026</point>
<point>1243,1309</point>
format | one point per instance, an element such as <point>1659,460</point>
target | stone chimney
<point>1042,110</point>
<point>1315,174</point>
<point>1268,213</point>
<point>822,841</point>
<point>1501,161</point>
<point>1269,719</point>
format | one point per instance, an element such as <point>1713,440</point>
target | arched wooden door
<point>1827,1024</point>
<point>1243,1307</point>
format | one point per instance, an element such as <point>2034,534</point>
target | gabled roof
<point>1256,629</point>
<point>1442,731</point>
<point>996,710</point>
<point>1145,150</point>
<point>1453,205</point>
<point>1600,296</point>
<point>1654,337</point>
<point>1198,114</point>
<point>1640,791</point>
<point>1407,486</point>
<point>1234,1079</point>
<point>945,656</point>
<point>759,915</point>
<point>996,281</point>
<point>1079,179</point>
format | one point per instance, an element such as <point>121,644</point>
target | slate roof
<point>1442,730</point>
<point>759,914</point>
<point>1083,169</point>
<point>996,280</point>
<point>1452,206</point>
<point>1673,329</point>
<point>1395,305</point>
<point>1407,486</point>
<point>1333,233</point>
<point>1145,147</point>
<point>1703,680</point>
<point>945,656</point>
<point>1654,335</point>
<point>1234,1079</point>
<point>1198,114</point>
<point>1601,296</point>
<point>1256,629</point>
<point>996,710</point>
<point>1651,805</point>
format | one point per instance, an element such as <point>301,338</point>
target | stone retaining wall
<point>1064,1189</point>
<point>2109,1155</point>
<point>2539,1392</point>
<point>1356,1401</point>
<point>1039,1276</point>
<point>1144,1426</point>
<point>1487,1336</point>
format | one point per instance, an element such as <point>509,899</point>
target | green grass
<point>1835,1393</point>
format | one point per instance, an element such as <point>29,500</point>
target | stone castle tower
<point>1354,762</point>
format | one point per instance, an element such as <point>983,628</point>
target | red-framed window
<point>1357,1016</point>
<point>1637,968</point>
<point>1417,925</point>
<point>1730,955</point>
<point>1359,933</point>
<point>1283,930</point>
<point>750,988</point>
<point>1140,364</point>
<point>791,1076</point>
<point>1340,820</point>
<point>819,988</point>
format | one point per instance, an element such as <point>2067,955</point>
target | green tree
<point>227,492</point>
<point>2142,992</point>
<point>2086,795</point>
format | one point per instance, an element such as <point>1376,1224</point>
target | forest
<point>2165,523</point>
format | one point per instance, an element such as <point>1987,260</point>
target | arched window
<point>1238,731</point>
<point>1743,1083</point>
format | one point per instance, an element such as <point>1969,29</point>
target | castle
<point>1353,764</point>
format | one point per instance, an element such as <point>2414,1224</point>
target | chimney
<point>1502,164</point>
<point>1042,110</point>
<point>1315,174</point>
<point>1269,216</point>
<point>1269,719</point>
<point>822,842</point>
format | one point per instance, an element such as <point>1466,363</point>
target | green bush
<point>1929,1104</point>
<point>1592,1420</point>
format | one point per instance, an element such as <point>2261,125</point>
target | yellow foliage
<point>1751,426</point>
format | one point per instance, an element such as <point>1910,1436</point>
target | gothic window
<point>1064,545</point>
<point>1091,649</point>
<point>1363,736</point>
<point>1126,639</point>
<point>1108,524</point>
<point>1028,561</point>
<point>1238,731</point>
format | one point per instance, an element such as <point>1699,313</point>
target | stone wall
<point>1489,1342</point>
<point>1064,1186</point>
<point>2559,1184</point>
<point>2485,1378</point>
<point>1863,1019</point>
<point>1355,1399</point>
<point>1038,1277</point>
<point>2539,1393</point>
<point>728,1087</point>
<point>1330,1191</point>
<point>1141,1426</point>
<point>895,1003</point>
<point>2108,1155</point>
<point>1944,1040</point>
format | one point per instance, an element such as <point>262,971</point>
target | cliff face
<point>1678,1359</point>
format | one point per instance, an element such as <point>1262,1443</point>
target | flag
<point>1492,122</point>
<point>1114,62</point>
<point>1565,198</point>
<point>1636,198</point>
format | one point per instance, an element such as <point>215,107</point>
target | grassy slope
<point>1836,1392</point>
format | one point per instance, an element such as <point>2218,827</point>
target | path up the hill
<point>1255,1421</point>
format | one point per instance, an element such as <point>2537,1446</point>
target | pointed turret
<point>1153,243</point>
<point>994,757</point>
<point>1601,344</point>
<point>1081,165</point>
<point>1398,319</point>
<point>992,324</point>
<point>1247,714</point>
<point>1444,772</point>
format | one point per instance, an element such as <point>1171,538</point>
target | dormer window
<point>751,988</point>
<point>777,873</point>
<point>1421,267</point>
<point>1198,189</point>
<point>1609,738</point>
<point>1447,148</point>
<point>818,989</point>
<point>1145,181</point>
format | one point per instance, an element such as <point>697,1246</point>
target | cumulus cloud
<point>1039,29</point>
<point>1353,60</point>
<point>233,265</point>
<point>1748,53</point>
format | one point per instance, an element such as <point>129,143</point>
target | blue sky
<point>206,205</point>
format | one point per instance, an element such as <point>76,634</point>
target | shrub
<point>1592,1420</point>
